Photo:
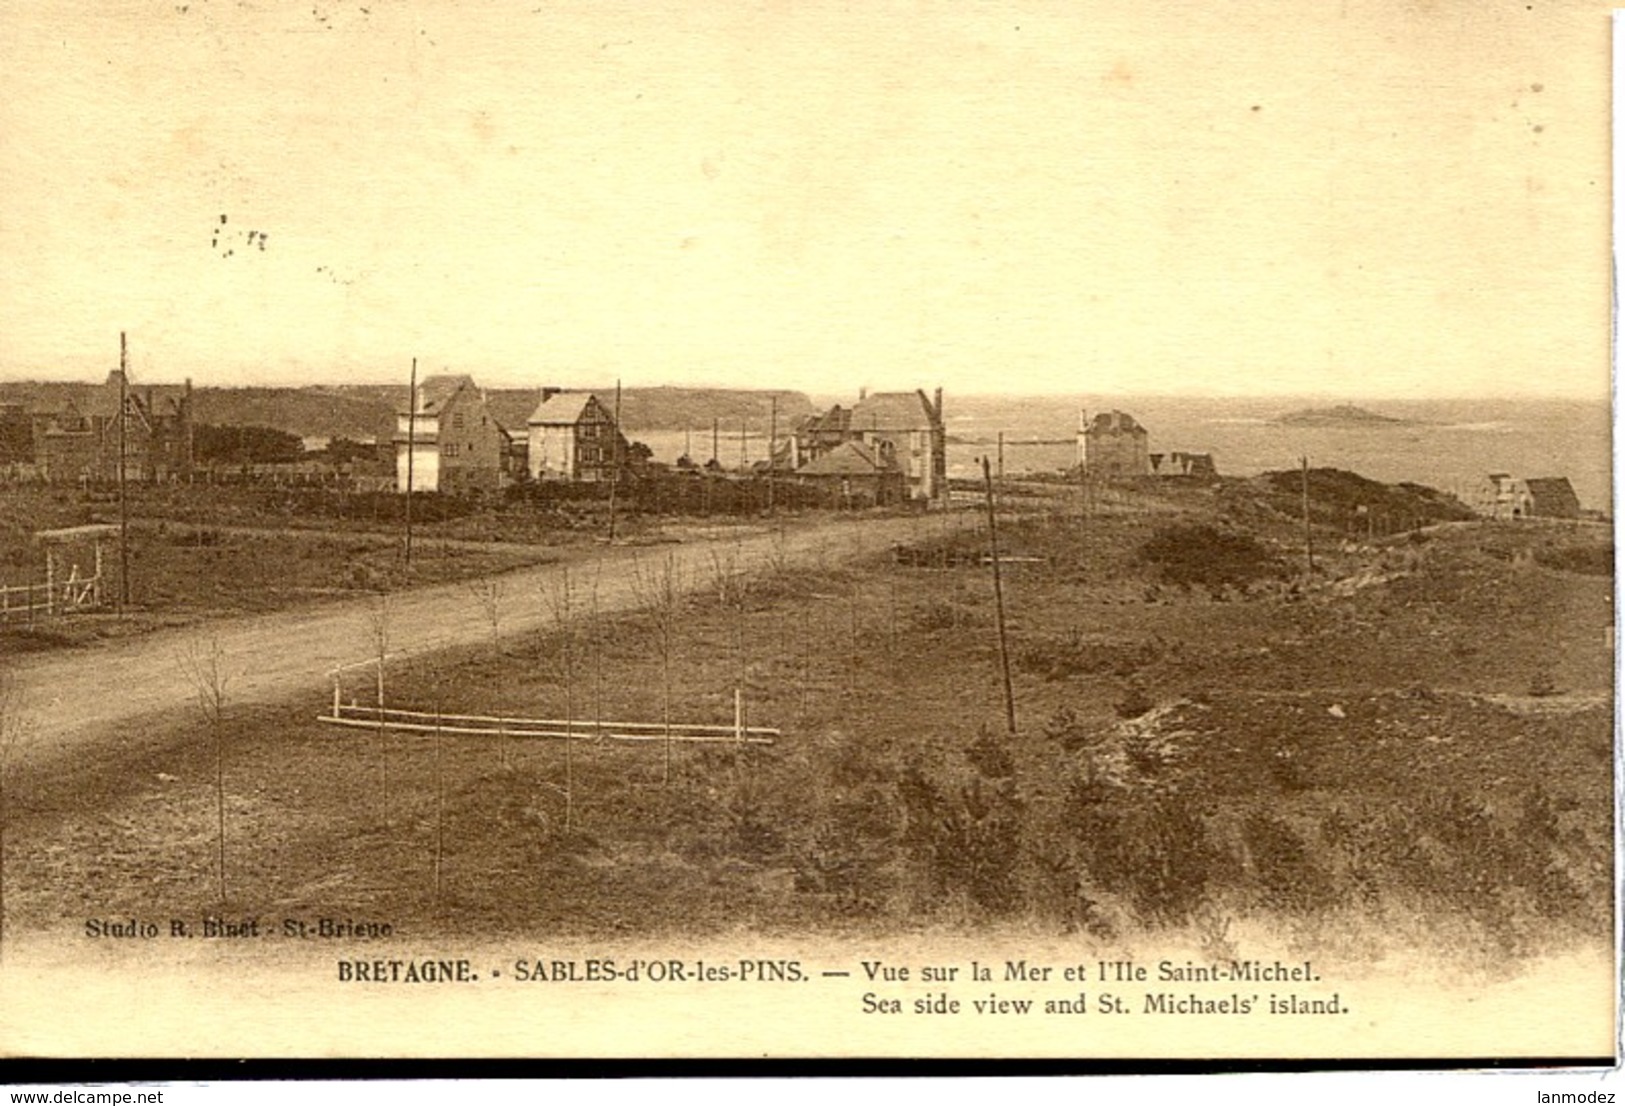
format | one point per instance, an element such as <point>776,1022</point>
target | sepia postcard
<point>1051,531</point>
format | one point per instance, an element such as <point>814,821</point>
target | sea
<point>1449,444</point>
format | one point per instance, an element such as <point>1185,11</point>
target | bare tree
<point>558,599</point>
<point>202,662</point>
<point>778,555</point>
<point>488,592</point>
<point>439,805</point>
<point>11,736</point>
<point>597,645</point>
<point>657,594</point>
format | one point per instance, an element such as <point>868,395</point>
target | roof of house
<point>435,393</point>
<point>1115,422</point>
<point>561,409</point>
<point>1552,493</point>
<point>103,402</point>
<point>836,420</point>
<point>894,411</point>
<point>846,459</point>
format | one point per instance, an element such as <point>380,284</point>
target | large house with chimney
<point>901,444</point>
<point>83,440</point>
<point>447,440</point>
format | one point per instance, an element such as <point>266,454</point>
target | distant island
<point>1345,414</point>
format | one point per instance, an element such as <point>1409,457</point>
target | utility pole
<point>716,430</point>
<point>411,453</point>
<point>772,446</point>
<point>123,456</point>
<point>1001,455</point>
<point>998,599</point>
<point>615,456</point>
<point>1308,537</point>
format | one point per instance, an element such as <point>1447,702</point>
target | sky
<point>1403,198</point>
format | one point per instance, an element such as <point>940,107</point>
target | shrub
<point>1134,703</point>
<point>1156,852</point>
<point>1285,875</point>
<point>1072,656</point>
<point>990,756</point>
<point>1068,731</point>
<point>1588,560</point>
<point>1199,555</point>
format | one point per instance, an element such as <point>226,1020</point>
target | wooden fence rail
<point>27,602</point>
<point>416,721</point>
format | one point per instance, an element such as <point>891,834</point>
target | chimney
<point>939,402</point>
<point>863,393</point>
<point>549,393</point>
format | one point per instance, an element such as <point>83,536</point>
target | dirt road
<point>69,700</point>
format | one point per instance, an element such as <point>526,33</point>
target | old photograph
<point>1028,530</point>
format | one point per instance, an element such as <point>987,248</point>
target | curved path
<point>67,699</point>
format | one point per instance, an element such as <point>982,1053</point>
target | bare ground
<point>72,701</point>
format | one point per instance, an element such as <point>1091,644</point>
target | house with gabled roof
<point>1113,444</point>
<point>573,437</point>
<point>84,441</point>
<point>901,431</point>
<point>446,440</point>
<point>853,474</point>
<point>1502,495</point>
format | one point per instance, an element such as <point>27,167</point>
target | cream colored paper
<point>1361,198</point>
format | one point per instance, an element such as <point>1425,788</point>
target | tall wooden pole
<point>615,460</point>
<point>772,446</point>
<point>716,431</point>
<point>1308,538</point>
<point>123,455</point>
<point>411,452</point>
<point>998,599</point>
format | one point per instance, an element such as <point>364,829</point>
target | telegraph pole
<point>1308,536</point>
<point>411,453</point>
<point>123,454</point>
<point>998,599</point>
<point>772,446</point>
<point>615,454</point>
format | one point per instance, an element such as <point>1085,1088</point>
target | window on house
<point>457,420</point>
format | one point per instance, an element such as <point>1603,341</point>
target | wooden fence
<point>479,725</point>
<point>28,602</point>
